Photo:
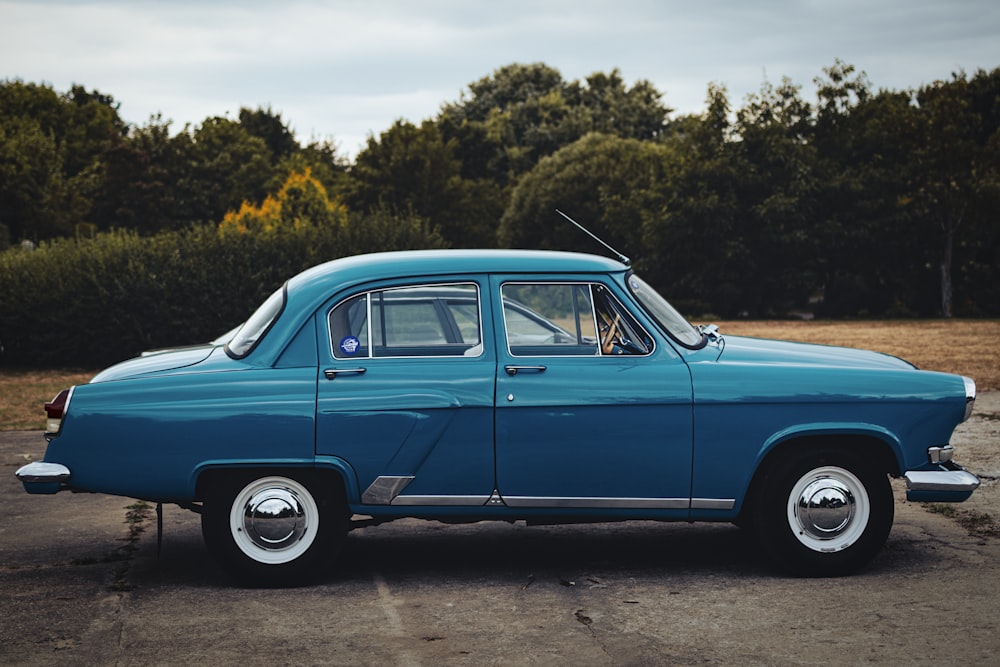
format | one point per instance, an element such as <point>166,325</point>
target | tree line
<point>862,202</point>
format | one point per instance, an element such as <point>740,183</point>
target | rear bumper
<point>949,483</point>
<point>42,477</point>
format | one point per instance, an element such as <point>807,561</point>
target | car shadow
<point>413,549</point>
<point>482,549</point>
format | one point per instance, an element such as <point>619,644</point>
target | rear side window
<point>421,321</point>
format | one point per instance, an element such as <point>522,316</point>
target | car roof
<point>342,273</point>
<point>308,290</point>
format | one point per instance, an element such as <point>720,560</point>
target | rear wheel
<point>823,513</point>
<point>273,529</point>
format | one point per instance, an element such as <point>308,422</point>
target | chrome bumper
<point>43,477</point>
<point>949,483</point>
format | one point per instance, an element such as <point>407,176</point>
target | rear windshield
<point>254,329</point>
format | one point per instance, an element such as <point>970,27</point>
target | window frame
<point>590,285</point>
<point>479,346</point>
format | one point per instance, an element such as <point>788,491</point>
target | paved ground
<point>81,584</point>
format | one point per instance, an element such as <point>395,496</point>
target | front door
<point>591,410</point>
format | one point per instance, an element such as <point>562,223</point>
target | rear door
<point>405,392</point>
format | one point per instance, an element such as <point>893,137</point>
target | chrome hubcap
<point>828,509</point>
<point>825,508</point>
<point>274,518</point>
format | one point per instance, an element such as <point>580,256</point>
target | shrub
<point>89,302</point>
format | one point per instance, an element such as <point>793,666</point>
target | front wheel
<point>823,513</point>
<point>272,529</point>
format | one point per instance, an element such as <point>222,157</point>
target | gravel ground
<point>80,584</point>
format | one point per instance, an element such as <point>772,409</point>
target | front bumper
<point>42,477</point>
<point>948,483</point>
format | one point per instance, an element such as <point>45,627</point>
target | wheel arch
<point>338,477</point>
<point>879,448</point>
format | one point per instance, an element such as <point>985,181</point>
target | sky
<point>343,70</point>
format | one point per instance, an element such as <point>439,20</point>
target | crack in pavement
<point>388,605</point>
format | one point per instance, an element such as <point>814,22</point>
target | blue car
<point>507,385</point>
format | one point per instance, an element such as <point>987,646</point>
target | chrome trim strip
<point>590,288</point>
<point>448,501</point>
<point>384,489</point>
<point>41,471</point>
<point>941,480</point>
<point>609,503</point>
<point>368,314</point>
<point>712,503</point>
<point>970,396</point>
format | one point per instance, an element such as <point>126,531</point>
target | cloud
<point>349,68</point>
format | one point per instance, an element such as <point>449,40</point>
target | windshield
<point>254,329</point>
<point>672,322</point>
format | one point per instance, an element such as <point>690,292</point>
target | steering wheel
<point>609,333</point>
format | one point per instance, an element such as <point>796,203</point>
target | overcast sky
<point>344,69</point>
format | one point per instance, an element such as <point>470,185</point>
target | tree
<point>956,165</point>
<point>631,113</point>
<point>301,202</point>
<point>608,184</point>
<point>413,169</point>
<point>51,156</point>
<point>138,188</point>
<point>522,113</point>
<point>32,185</point>
<point>697,245</point>
<point>776,195</point>
<point>867,260</point>
<point>267,125</point>
<point>323,161</point>
<point>977,288</point>
<point>224,165</point>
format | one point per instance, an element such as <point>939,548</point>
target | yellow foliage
<point>301,202</point>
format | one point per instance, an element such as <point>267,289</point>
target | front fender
<point>847,430</point>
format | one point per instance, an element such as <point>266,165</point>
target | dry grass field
<point>22,394</point>
<point>967,347</point>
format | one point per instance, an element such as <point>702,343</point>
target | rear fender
<point>329,464</point>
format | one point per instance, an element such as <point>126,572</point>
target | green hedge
<point>89,303</point>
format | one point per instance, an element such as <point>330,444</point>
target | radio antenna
<point>621,258</point>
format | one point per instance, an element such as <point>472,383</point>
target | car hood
<point>166,360</point>
<point>737,349</point>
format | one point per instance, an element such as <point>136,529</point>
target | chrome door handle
<point>514,370</point>
<point>332,373</point>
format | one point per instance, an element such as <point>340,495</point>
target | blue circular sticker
<point>350,344</point>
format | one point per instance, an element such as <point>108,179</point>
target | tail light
<point>55,411</point>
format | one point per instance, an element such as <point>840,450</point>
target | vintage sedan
<point>508,385</point>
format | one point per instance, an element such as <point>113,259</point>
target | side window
<point>424,321</point>
<point>543,319</point>
<point>349,328</point>
<point>619,333</point>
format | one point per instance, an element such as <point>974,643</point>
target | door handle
<point>514,370</point>
<point>332,373</point>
